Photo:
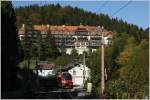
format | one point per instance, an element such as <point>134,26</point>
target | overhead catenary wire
<point>121,8</point>
<point>102,6</point>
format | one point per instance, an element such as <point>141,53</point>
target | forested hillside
<point>57,15</point>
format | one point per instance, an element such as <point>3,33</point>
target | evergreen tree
<point>9,47</point>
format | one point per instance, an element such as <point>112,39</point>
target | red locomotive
<point>64,80</point>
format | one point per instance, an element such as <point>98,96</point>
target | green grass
<point>24,64</point>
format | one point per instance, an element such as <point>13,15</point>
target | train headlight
<point>64,82</point>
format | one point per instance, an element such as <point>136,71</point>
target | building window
<point>84,72</point>
<point>74,72</point>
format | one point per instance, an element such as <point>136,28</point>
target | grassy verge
<point>24,64</point>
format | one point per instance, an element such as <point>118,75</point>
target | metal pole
<point>83,68</point>
<point>37,73</point>
<point>102,64</point>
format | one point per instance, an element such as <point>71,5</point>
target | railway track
<point>50,90</point>
<point>59,94</point>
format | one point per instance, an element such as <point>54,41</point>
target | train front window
<point>67,76</point>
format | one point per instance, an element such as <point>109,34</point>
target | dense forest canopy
<point>57,15</point>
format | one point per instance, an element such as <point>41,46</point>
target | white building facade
<point>44,72</point>
<point>80,74</point>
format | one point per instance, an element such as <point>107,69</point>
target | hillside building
<point>82,38</point>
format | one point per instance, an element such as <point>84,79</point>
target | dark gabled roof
<point>70,66</point>
<point>46,66</point>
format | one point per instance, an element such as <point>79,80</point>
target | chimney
<point>63,26</point>
<point>23,25</point>
<point>48,25</point>
<point>87,26</point>
<point>80,24</point>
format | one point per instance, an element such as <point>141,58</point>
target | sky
<point>136,12</point>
